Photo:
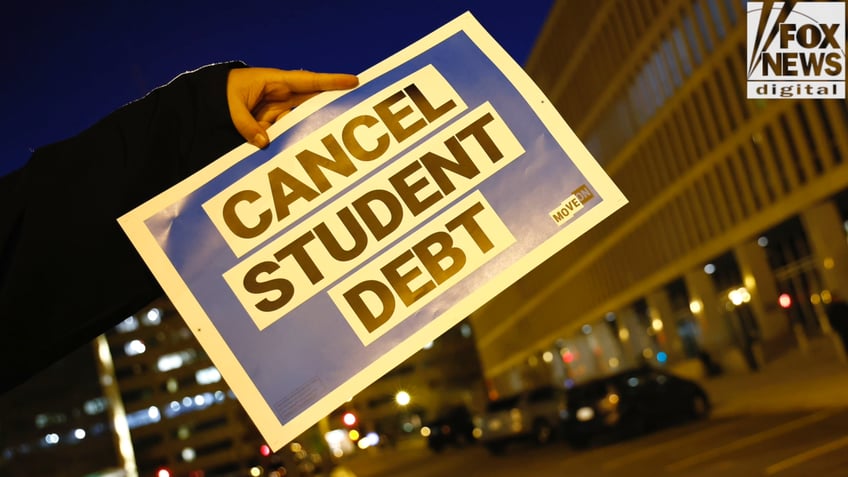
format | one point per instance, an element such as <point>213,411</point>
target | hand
<point>260,96</point>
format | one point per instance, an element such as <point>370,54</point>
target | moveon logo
<point>796,49</point>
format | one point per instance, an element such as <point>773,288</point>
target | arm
<point>67,272</point>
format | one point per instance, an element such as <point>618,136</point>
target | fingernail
<point>260,140</point>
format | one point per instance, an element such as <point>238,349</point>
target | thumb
<point>247,125</point>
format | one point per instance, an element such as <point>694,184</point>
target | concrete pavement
<point>795,381</point>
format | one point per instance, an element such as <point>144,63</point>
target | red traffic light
<point>784,300</point>
<point>349,419</point>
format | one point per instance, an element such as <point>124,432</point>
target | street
<point>786,444</point>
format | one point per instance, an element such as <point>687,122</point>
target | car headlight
<point>585,413</point>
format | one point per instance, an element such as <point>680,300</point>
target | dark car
<point>452,428</point>
<point>632,402</point>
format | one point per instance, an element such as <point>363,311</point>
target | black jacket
<point>67,271</point>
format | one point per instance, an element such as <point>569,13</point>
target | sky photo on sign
<point>464,176</point>
<point>69,64</point>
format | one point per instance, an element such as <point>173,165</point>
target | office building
<point>734,239</point>
<point>142,397</point>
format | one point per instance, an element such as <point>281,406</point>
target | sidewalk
<point>794,381</point>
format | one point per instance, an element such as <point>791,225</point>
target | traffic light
<point>163,472</point>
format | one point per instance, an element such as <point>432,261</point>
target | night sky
<point>67,64</point>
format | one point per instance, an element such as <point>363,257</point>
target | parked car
<point>536,415</point>
<point>631,402</point>
<point>453,428</point>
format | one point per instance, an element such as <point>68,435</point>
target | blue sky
<point>66,64</point>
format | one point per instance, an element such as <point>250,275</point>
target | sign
<point>796,49</point>
<point>375,220</point>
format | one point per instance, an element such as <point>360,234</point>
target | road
<point>797,444</point>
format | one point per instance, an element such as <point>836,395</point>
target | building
<point>181,415</point>
<point>144,396</point>
<point>57,423</point>
<point>444,375</point>
<point>736,205</point>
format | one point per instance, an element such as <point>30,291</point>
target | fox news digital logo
<point>796,49</point>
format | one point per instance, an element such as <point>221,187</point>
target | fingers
<point>269,110</point>
<point>302,81</point>
<point>249,128</point>
<point>257,97</point>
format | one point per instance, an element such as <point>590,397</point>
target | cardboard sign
<point>377,219</point>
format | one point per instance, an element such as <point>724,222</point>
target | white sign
<point>376,219</point>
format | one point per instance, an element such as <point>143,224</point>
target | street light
<point>402,398</point>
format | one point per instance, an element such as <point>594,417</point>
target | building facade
<point>144,399</point>
<point>734,239</point>
<point>58,422</point>
<point>444,375</point>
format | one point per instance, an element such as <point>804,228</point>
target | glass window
<point>663,78</point>
<point>128,325</point>
<point>716,16</point>
<point>672,63</point>
<point>654,91</point>
<point>702,25</point>
<point>682,51</point>
<point>731,11</point>
<point>693,42</point>
<point>637,98</point>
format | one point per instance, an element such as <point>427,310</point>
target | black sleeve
<point>67,271</point>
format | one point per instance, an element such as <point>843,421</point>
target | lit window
<point>95,406</point>
<point>153,317</point>
<point>168,362</point>
<point>129,324</point>
<point>207,376</point>
<point>41,421</point>
<point>134,347</point>
<point>143,417</point>
<point>188,454</point>
<point>48,419</point>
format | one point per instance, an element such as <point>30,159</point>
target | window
<point>702,25</point>
<point>716,16</point>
